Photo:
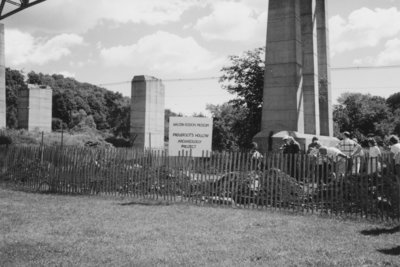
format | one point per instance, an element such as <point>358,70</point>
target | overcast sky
<point>107,41</point>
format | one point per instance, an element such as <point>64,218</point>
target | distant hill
<point>79,108</point>
<point>76,105</point>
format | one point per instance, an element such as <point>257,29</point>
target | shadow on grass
<point>381,231</point>
<point>390,251</point>
<point>145,203</point>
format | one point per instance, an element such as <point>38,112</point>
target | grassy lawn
<point>48,230</point>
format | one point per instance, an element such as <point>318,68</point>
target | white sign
<point>191,135</point>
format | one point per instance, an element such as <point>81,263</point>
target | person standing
<point>357,157</point>
<point>347,147</point>
<point>291,148</point>
<point>316,161</point>
<point>395,152</point>
<point>314,145</point>
<point>256,156</point>
<point>336,159</point>
<point>374,153</point>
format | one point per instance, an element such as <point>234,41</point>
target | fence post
<point>62,136</point>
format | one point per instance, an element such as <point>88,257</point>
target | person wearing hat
<point>291,147</point>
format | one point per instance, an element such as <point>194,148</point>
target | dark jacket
<point>293,148</point>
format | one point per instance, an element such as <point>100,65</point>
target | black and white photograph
<point>199,133</point>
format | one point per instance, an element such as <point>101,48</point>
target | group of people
<point>347,156</point>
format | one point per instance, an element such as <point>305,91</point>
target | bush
<point>119,142</point>
<point>57,124</point>
<point>5,140</point>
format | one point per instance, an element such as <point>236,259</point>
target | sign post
<point>190,135</point>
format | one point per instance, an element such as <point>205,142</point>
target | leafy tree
<point>34,78</point>
<point>395,122</point>
<point>82,104</point>
<point>168,113</point>
<point>227,126</point>
<point>121,119</point>
<point>85,122</point>
<point>244,77</point>
<point>117,113</point>
<point>393,101</point>
<point>77,106</point>
<point>14,83</point>
<point>57,124</point>
<point>70,96</point>
<point>363,115</point>
<point>198,115</point>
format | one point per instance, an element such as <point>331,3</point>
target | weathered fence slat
<point>299,183</point>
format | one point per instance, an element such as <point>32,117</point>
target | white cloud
<point>22,48</point>
<point>17,46</point>
<point>74,16</point>
<point>150,11</point>
<point>234,21</point>
<point>162,53</point>
<point>66,73</point>
<point>390,55</point>
<point>363,28</point>
<point>257,5</point>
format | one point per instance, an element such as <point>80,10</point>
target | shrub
<point>119,142</point>
<point>5,140</point>
<point>57,124</point>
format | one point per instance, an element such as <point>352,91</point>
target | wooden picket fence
<point>299,183</point>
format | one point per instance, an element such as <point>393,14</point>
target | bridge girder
<point>10,7</point>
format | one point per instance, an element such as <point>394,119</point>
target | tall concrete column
<point>325,99</point>
<point>147,112</point>
<point>2,80</point>
<point>283,95</point>
<point>310,67</point>
<point>296,59</point>
<point>35,108</point>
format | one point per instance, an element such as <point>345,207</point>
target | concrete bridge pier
<point>2,80</point>
<point>297,57</point>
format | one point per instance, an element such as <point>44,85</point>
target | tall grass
<point>66,138</point>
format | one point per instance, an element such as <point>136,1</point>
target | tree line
<point>79,106</point>
<point>75,104</point>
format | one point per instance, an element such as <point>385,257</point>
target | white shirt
<point>374,152</point>
<point>256,155</point>
<point>395,149</point>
